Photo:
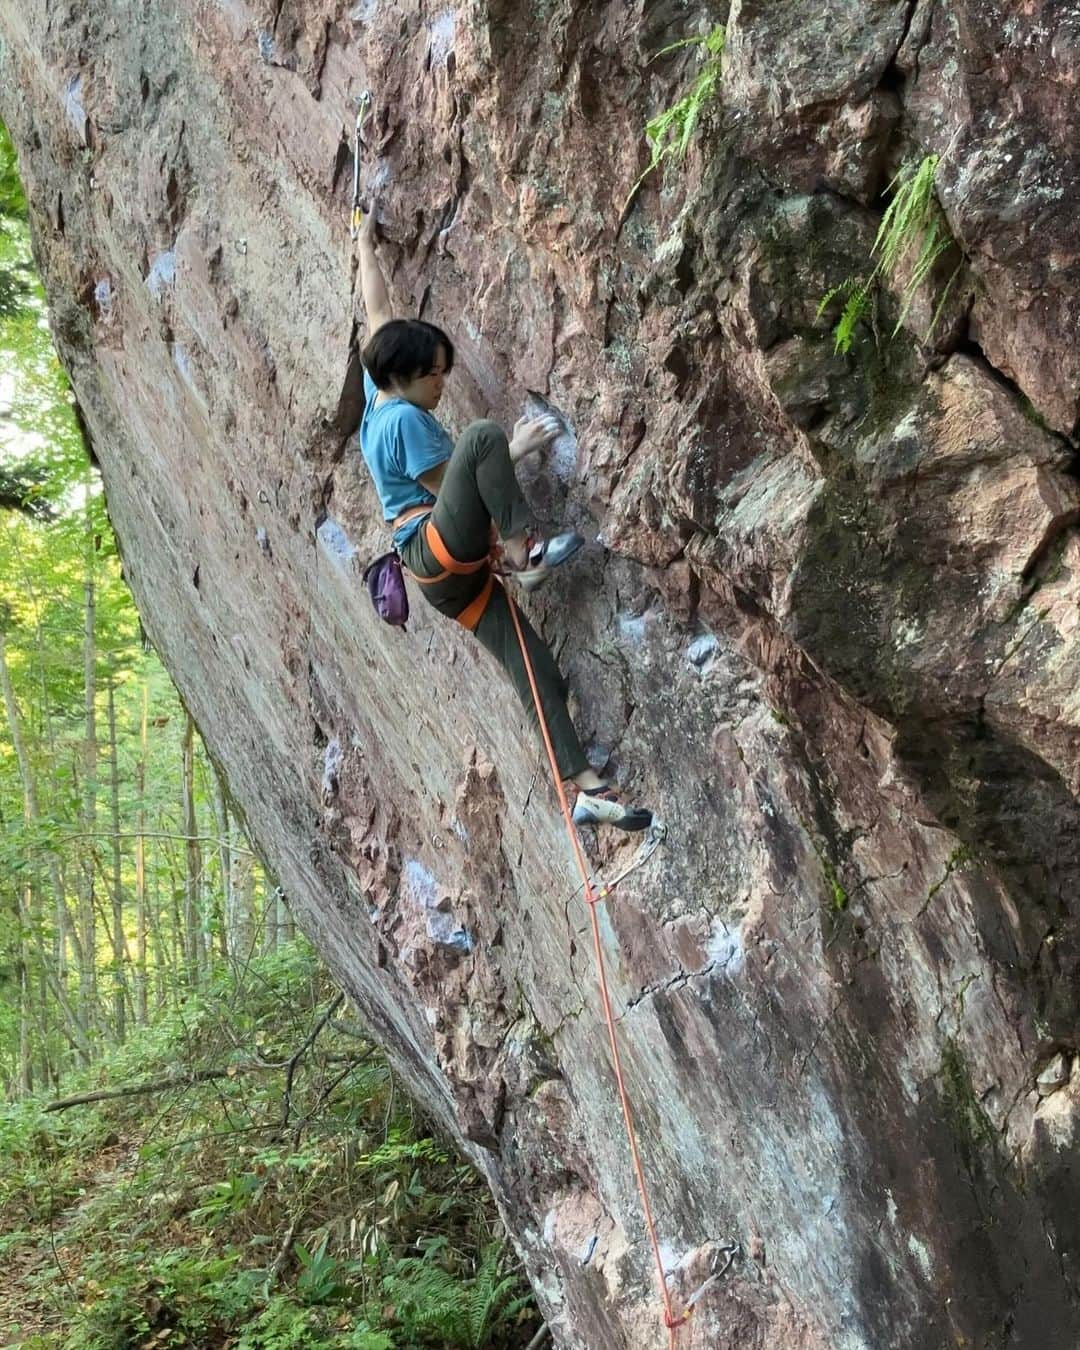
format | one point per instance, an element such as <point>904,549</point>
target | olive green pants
<point>479,487</point>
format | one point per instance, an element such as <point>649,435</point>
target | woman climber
<point>445,503</point>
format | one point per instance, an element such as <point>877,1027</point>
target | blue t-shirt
<point>399,442</point>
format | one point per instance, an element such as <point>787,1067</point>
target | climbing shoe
<point>602,806</point>
<point>543,555</point>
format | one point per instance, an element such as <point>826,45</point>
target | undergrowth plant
<point>669,133</point>
<point>912,226</point>
<point>437,1308</point>
<point>232,1212</point>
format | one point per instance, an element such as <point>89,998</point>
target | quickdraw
<point>364,106</point>
<point>654,837</point>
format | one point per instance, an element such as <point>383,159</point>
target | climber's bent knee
<point>484,436</point>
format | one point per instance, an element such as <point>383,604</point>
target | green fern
<point>908,215</point>
<point>488,1294</point>
<point>436,1307</point>
<point>428,1301</point>
<point>911,221</point>
<point>912,224</point>
<point>669,132</point>
<point>856,305</point>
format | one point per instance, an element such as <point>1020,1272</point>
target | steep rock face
<point>832,631</point>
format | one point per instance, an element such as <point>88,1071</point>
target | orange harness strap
<point>473,612</point>
<point>444,556</point>
<point>411,514</point>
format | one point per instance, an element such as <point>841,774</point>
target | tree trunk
<point>76,1027</point>
<point>163,968</point>
<point>243,891</point>
<point>140,864</point>
<point>192,932</point>
<point>26,1068</point>
<point>119,945</point>
<point>175,927</point>
<point>227,942</point>
<point>87,922</point>
<point>285,922</point>
<point>61,919</point>
<point>269,920</point>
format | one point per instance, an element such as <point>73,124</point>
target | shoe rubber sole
<point>605,811</point>
<point>556,550</point>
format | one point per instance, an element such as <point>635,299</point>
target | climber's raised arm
<point>376,300</point>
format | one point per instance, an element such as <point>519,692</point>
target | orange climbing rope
<point>671,1321</point>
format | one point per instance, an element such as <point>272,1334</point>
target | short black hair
<point>403,349</point>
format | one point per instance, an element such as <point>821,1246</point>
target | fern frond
<point>944,296</point>
<point>429,1300</point>
<point>671,130</point>
<point>833,293</point>
<point>712,42</point>
<point>858,304</point>
<point>674,47</point>
<point>856,296</point>
<point>908,215</point>
<point>486,1293</point>
<point>912,222</point>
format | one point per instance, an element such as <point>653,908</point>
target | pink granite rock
<point>826,623</point>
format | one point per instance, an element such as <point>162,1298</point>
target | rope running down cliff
<point>671,1321</point>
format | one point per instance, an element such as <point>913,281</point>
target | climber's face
<point>426,389</point>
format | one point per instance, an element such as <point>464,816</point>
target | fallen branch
<point>194,1076</point>
<point>274,1273</point>
<point>353,1029</point>
<point>158,1085</point>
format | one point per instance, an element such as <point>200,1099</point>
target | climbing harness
<point>473,612</point>
<point>364,104</point>
<point>672,1320</point>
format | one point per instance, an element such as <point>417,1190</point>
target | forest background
<point>198,1144</point>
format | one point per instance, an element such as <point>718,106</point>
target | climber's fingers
<point>550,426</point>
<point>367,223</point>
<point>532,434</point>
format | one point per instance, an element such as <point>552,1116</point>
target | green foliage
<point>12,197</point>
<point>139,1292</point>
<point>838,897</point>
<point>320,1278</point>
<point>16,272</point>
<point>911,223</point>
<point>669,133</point>
<point>284,1325</point>
<point>22,487</point>
<point>436,1308</point>
<point>912,229</point>
<point>170,1211</point>
<point>971,1127</point>
<point>857,300</point>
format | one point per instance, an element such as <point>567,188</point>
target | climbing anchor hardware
<point>672,1320</point>
<point>655,835</point>
<point>363,107</point>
